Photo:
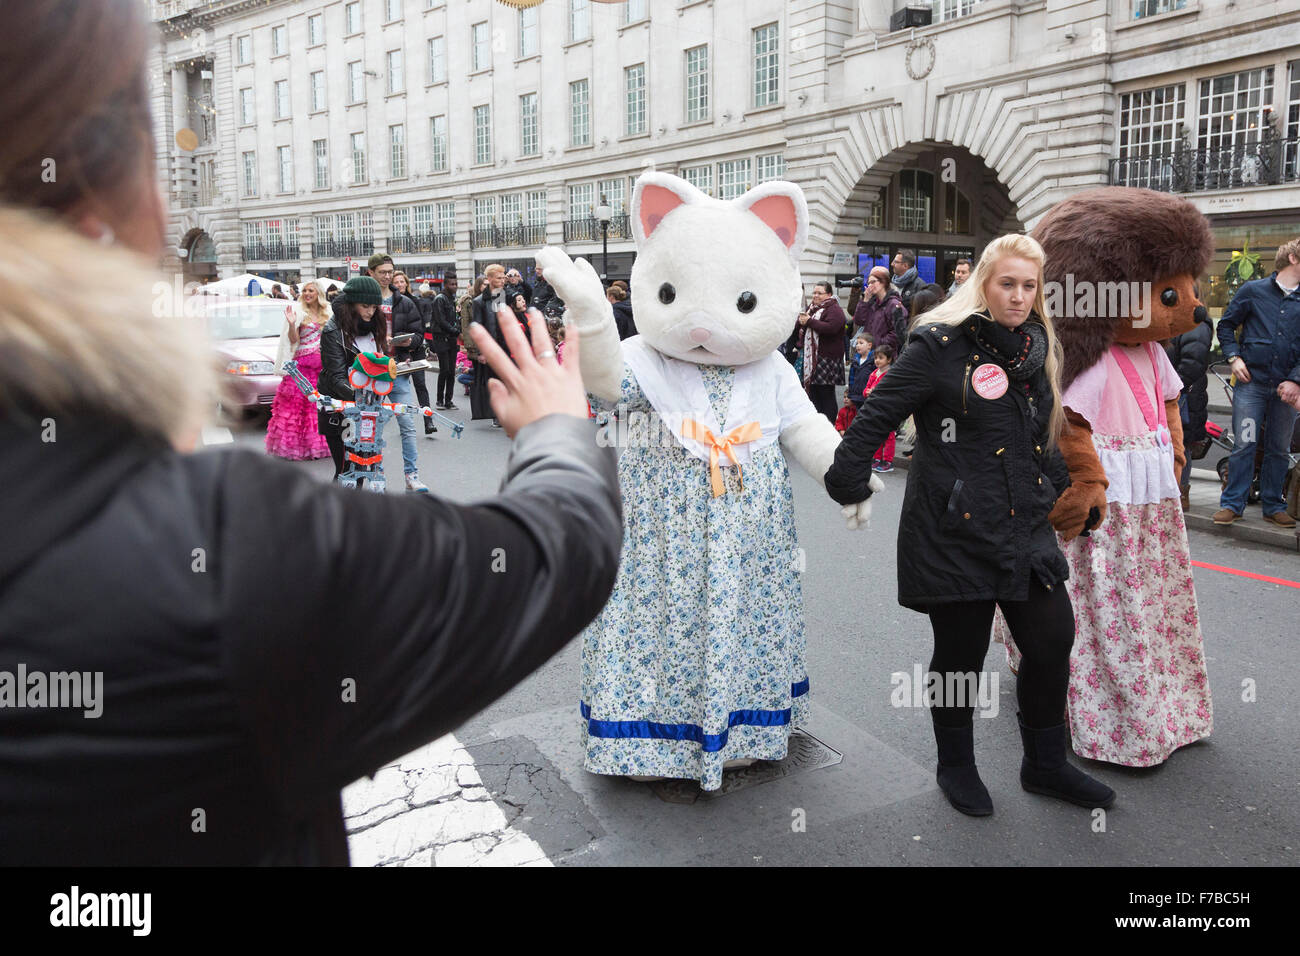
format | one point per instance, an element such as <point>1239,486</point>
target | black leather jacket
<point>445,324</point>
<point>981,481</point>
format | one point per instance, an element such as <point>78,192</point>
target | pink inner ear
<point>780,215</point>
<point>656,202</point>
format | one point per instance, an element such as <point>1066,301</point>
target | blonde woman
<point>981,378</point>
<point>292,431</point>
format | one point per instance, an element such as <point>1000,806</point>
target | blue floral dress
<point>698,658</point>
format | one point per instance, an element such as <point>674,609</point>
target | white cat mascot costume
<point>698,658</point>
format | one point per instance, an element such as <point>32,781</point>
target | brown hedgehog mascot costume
<point>1121,273</point>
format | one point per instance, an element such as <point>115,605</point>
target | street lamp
<point>602,213</point>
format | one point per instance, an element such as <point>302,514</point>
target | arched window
<point>915,201</point>
<point>202,249</point>
<point>956,210</point>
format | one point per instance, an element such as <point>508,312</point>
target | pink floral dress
<point>1138,683</point>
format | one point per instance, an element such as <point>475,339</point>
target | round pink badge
<point>989,382</point>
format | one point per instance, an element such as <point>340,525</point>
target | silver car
<point>245,335</point>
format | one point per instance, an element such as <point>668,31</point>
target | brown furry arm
<point>1087,479</point>
<point>1176,433</point>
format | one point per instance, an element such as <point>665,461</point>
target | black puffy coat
<point>545,299</point>
<point>407,317</point>
<point>1190,355</point>
<point>229,601</point>
<point>981,481</point>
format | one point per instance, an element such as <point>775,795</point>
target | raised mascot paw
<point>576,282</point>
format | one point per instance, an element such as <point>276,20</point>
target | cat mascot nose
<point>700,335</point>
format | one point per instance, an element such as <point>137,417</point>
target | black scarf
<point>1022,351</point>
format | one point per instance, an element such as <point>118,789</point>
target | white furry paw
<point>857,516</point>
<point>576,282</point>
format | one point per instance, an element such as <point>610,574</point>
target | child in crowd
<point>883,459</point>
<point>464,371</point>
<point>848,411</point>
<point>860,367</point>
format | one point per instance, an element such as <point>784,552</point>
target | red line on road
<point>1247,574</point>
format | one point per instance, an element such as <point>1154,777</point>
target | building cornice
<point>215,11</point>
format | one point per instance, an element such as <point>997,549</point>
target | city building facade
<point>295,135</point>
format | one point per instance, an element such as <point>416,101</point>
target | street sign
<point>354,266</point>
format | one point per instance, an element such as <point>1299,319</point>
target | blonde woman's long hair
<point>320,314</point>
<point>970,299</point>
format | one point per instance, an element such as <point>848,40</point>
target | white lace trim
<point>1139,476</point>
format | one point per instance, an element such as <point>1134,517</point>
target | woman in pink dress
<point>292,432</point>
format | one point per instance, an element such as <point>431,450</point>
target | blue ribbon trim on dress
<point>709,743</point>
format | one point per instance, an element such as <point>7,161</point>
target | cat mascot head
<point>714,282</point>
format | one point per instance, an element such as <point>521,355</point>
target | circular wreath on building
<point>920,58</point>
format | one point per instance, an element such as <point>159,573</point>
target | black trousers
<point>823,399</point>
<point>1043,629</point>
<point>446,374</point>
<point>333,438</point>
<point>422,393</point>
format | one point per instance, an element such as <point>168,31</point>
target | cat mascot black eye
<point>746,302</point>
<point>667,293</point>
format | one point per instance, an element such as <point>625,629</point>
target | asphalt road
<point>1229,800</point>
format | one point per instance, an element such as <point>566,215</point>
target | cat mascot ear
<point>783,209</point>
<point>654,197</point>
<point>778,205</point>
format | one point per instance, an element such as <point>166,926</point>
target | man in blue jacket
<point>1267,398</point>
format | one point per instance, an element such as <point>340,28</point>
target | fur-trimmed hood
<point>1117,234</point>
<point>115,344</point>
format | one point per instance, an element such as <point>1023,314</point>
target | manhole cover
<point>805,753</point>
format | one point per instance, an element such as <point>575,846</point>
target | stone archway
<point>1041,140</point>
<point>200,262</point>
<point>938,200</point>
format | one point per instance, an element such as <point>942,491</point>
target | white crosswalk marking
<point>430,808</point>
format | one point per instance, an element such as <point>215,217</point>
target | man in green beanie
<point>401,315</point>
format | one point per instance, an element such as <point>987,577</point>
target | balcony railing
<point>338,248</point>
<point>270,251</point>
<point>520,235</point>
<point>192,198</point>
<point>166,9</point>
<point>579,230</point>
<point>1265,163</point>
<point>423,242</point>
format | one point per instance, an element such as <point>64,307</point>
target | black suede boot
<point>957,776</point>
<point>1045,769</point>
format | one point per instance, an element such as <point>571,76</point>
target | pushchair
<point>1223,438</point>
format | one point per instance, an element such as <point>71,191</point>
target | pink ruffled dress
<point>292,430</point>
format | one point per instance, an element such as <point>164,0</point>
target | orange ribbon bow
<point>737,436</point>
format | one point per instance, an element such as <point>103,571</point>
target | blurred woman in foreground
<point>248,639</point>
